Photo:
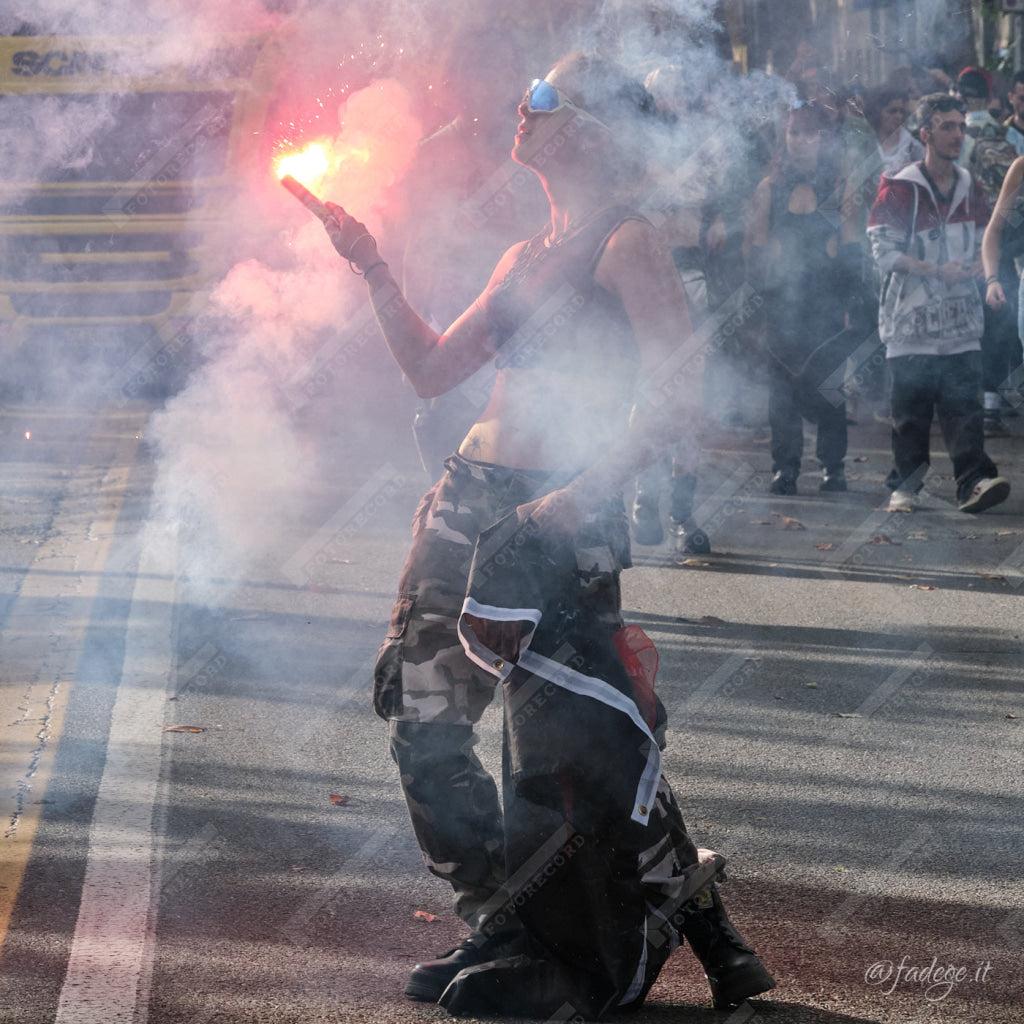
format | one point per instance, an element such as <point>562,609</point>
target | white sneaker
<point>987,492</point>
<point>903,501</point>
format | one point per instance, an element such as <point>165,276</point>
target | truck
<point>119,153</point>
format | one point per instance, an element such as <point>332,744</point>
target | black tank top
<point>805,263</point>
<point>548,312</point>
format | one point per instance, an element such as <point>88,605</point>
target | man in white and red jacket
<point>925,230</point>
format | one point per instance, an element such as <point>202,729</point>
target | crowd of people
<point>779,202</point>
<point>857,223</point>
<point>882,229</point>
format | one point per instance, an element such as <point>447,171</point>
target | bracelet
<point>379,263</point>
<point>355,242</point>
<point>352,249</point>
<point>991,279</point>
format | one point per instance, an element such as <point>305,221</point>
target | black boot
<point>733,970</point>
<point>647,528</point>
<point>522,986</point>
<point>683,492</point>
<point>429,979</point>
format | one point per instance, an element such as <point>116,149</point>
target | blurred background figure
<point>682,187</point>
<point>794,255</point>
<point>1014,124</point>
<point>886,110</point>
<point>1002,251</point>
<point>988,155</point>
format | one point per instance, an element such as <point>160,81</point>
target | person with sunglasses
<point>581,882</point>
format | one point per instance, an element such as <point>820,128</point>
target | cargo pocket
<point>387,672</point>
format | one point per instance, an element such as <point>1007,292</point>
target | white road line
<point>111,956</point>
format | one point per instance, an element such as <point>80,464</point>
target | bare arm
<point>434,363</point>
<point>992,241</point>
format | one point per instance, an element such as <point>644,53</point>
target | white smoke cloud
<point>237,460</point>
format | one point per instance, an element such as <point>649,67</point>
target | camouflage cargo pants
<point>432,696</point>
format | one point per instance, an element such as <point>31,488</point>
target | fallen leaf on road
<point>811,686</point>
<point>710,620</point>
<point>340,800</point>
<point>884,538</point>
<point>847,714</point>
<point>825,547</point>
<point>422,915</point>
<point>861,458</point>
<point>1005,533</point>
<point>921,586</point>
<point>183,728</point>
<point>990,576</point>
<point>789,523</point>
<point>1011,716</point>
<point>693,561</point>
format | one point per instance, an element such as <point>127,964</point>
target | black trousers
<point>792,398</point>
<point>949,387</point>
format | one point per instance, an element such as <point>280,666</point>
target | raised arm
<point>434,363</point>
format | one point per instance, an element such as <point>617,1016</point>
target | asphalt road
<point>201,823</point>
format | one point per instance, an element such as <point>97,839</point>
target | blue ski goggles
<point>544,98</point>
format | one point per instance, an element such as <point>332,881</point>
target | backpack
<point>990,158</point>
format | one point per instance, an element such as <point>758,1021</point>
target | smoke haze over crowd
<point>242,444</point>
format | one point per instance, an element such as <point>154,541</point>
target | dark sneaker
<point>647,528</point>
<point>429,979</point>
<point>833,480</point>
<point>986,493</point>
<point>782,483</point>
<point>690,539</point>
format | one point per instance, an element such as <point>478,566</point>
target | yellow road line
<point>40,653</point>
